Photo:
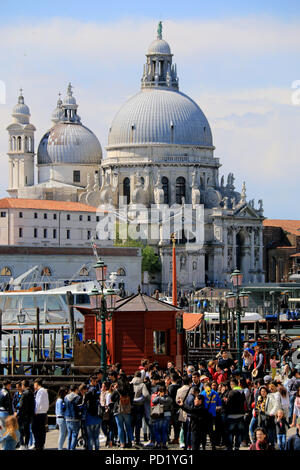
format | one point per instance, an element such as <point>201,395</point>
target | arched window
<point>126,189</point>
<point>165,187</point>
<point>19,143</point>
<point>84,271</point>
<point>180,189</point>
<point>26,144</point>
<point>46,272</point>
<point>14,143</point>
<point>6,271</point>
<point>121,272</point>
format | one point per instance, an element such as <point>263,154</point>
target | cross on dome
<point>69,91</point>
<point>21,97</point>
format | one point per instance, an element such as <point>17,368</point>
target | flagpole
<point>174,286</point>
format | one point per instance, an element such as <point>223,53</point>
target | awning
<point>192,320</point>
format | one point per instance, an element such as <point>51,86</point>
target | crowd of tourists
<point>210,406</point>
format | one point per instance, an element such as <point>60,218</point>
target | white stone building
<point>160,152</point>
<point>58,238</point>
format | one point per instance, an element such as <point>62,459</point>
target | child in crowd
<point>281,428</point>
<point>11,435</point>
<point>273,365</point>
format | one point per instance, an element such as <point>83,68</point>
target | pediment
<point>246,211</point>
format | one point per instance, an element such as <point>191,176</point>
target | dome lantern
<point>21,113</point>
<point>69,107</point>
<point>159,71</point>
<point>58,113</point>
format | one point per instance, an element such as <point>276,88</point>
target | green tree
<point>150,260</point>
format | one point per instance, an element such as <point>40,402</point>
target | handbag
<point>100,411</point>
<point>106,415</point>
<point>157,411</point>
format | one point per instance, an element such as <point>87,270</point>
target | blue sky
<point>156,9</point>
<point>236,59</point>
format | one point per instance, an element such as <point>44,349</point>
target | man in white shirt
<point>40,415</point>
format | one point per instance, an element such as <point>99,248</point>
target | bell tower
<point>20,148</point>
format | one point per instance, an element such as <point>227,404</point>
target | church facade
<point>160,153</point>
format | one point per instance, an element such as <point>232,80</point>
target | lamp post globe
<point>100,268</point>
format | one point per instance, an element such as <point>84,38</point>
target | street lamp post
<point>237,301</point>
<point>103,311</point>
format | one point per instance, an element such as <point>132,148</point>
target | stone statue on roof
<point>159,30</point>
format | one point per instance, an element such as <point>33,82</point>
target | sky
<point>238,60</point>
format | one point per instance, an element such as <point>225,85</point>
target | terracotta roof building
<point>281,244</point>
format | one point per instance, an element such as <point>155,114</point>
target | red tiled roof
<point>45,204</point>
<point>291,226</point>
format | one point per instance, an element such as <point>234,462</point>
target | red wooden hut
<point>141,327</point>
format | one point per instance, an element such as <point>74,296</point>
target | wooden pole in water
<point>70,302</point>
<point>38,332</point>
<point>8,351</point>
<point>54,344</point>
<point>28,350</point>
<point>51,349</point>
<point>246,334</point>
<point>62,342</point>
<point>14,348</point>
<point>215,329</point>
<point>43,344</point>
<point>20,346</point>
<point>33,345</point>
<point>255,330</point>
<point>13,356</point>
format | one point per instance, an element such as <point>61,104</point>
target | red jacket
<point>220,377</point>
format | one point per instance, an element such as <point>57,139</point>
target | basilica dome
<point>160,113</point>
<point>69,143</point>
<point>160,116</point>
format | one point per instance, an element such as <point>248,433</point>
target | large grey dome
<point>160,115</point>
<point>69,143</point>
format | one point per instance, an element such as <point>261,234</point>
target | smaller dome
<point>159,46</point>
<point>69,100</point>
<point>21,109</point>
<point>57,114</point>
<point>69,143</point>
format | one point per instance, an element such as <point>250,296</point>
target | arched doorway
<point>126,190</point>
<point>165,187</point>
<point>180,189</point>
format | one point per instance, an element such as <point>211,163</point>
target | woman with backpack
<point>161,412</point>
<point>284,400</point>
<point>271,407</point>
<point>121,399</point>
<point>94,413</point>
<point>200,421</point>
<point>72,415</point>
